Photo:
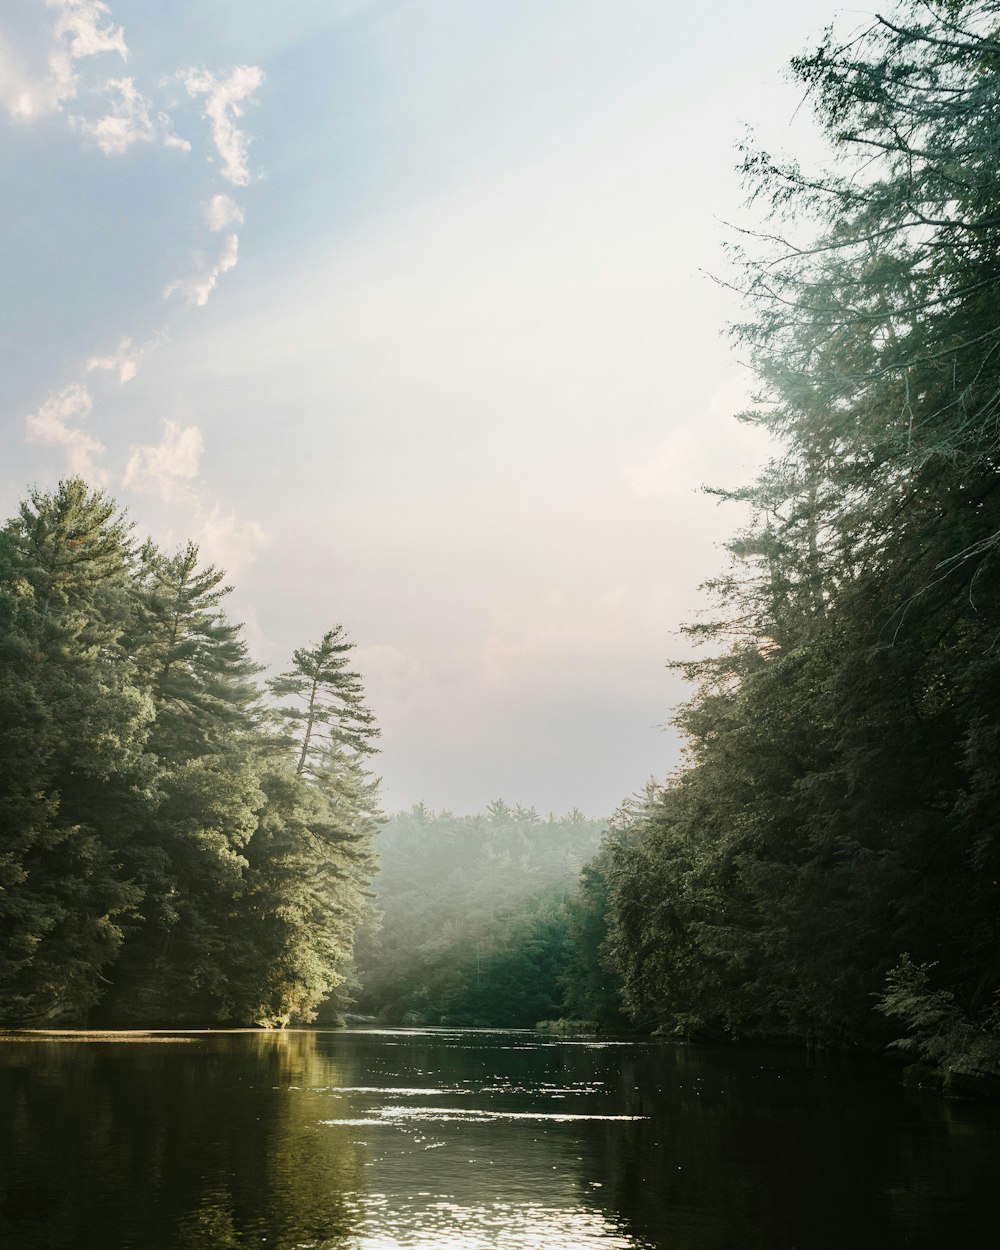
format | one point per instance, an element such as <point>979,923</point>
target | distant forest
<point>182,843</point>
<point>480,920</point>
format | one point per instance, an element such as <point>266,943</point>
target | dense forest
<point>824,866</point>
<point>479,918</point>
<point>176,845</point>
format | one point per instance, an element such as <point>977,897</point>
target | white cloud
<point>53,423</point>
<point>124,362</point>
<point>130,121</point>
<point>38,72</point>
<point>38,75</point>
<point>224,102</point>
<point>226,541</point>
<point>87,26</point>
<point>200,286</point>
<point>222,212</point>
<point>161,470</point>
<point>32,85</point>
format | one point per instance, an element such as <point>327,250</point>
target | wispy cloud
<point>55,423</point>
<point>222,212</point>
<point>225,540</point>
<point>164,468</point>
<point>167,470</point>
<point>224,102</point>
<point>131,120</point>
<point>124,361</point>
<point>42,74</point>
<point>200,285</point>
<point>38,72</point>
<point>87,26</point>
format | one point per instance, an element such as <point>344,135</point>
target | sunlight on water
<point>398,1114</point>
<point>396,1090</point>
<point>501,1226</point>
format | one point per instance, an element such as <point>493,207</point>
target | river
<point>474,1140</point>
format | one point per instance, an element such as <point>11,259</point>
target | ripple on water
<point>504,1226</point>
<point>398,1114</point>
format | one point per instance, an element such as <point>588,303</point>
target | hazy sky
<point>398,308</point>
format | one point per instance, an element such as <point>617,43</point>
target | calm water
<point>337,1140</point>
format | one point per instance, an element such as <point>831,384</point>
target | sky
<point>404,311</point>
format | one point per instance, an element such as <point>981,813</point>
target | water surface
<point>475,1140</point>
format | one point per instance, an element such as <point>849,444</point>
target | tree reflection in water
<point>477,1140</point>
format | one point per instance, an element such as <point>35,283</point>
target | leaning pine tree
<point>317,846</point>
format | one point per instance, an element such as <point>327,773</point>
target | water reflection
<point>164,1145</point>
<point>375,1140</point>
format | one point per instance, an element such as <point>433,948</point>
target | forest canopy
<point>178,842</point>
<point>824,865</point>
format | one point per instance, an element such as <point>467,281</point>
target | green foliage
<point>72,770</point>
<point>589,978</point>
<point>200,674</point>
<point>837,804</point>
<point>163,858</point>
<point>939,1033</point>
<point>327,710</point>
<point>502,974</point>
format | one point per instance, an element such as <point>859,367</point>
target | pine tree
<point>314,848</point>
<point>323,703</point>
<point>833,813</point>
<point>163,858</point>
<point>73,774</point>
<point>196,661</point>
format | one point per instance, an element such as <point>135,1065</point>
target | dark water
<point>332,1140</point>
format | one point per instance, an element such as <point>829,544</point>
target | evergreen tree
<point>590,981</point>
<point>163,858</point>
<point>326,711</point>
<point>331,816</point>
<point>73,774</point>
<point>196,661</point>
<point>189,855</point>
<point>834,810</point>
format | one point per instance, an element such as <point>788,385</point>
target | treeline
<point>480,920</point>
<point>176,846</point>
<point>825,864</point>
